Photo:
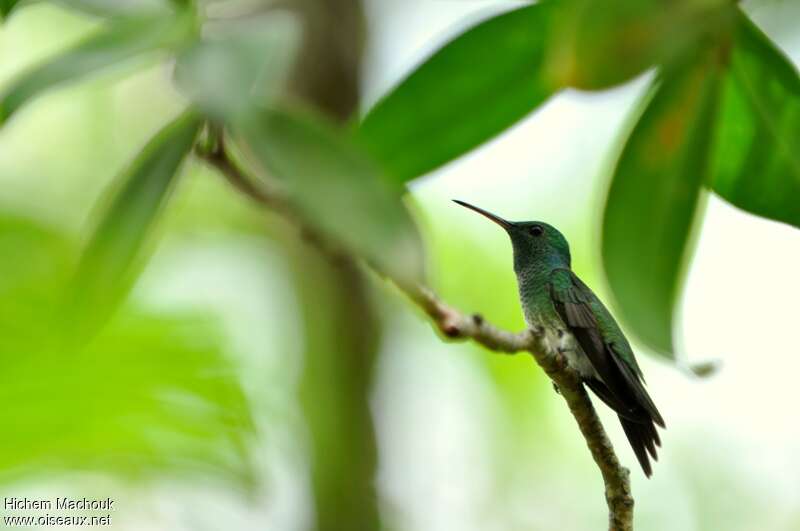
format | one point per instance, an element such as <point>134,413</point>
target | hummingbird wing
<point>620,383</point>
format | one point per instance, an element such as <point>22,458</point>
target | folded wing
<point>619,383</point>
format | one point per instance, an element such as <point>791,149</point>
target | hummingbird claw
<point>536,331</point>
<point>561,360</point>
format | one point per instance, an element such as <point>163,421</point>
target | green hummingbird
<point>573,322</point>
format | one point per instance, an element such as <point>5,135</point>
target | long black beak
<point>497,219</point>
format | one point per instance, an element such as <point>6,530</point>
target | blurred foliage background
<point>169,342</point>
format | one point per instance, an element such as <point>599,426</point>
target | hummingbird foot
<point>561,359</point>
<point>556,388</point>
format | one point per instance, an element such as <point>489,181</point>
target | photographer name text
<point>63,504</point>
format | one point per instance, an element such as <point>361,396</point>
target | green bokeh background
<point>466,439</point>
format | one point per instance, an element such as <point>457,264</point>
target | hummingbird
<point>573,322</point>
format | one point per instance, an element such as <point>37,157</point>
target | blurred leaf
<point>653,199</point>
<point>108,265</point>
<point>757,154</point>
<point>150,394</point>
<point>242,63</point>
<point>337,188</point>
<point>117,8</point>
<point>118,41</point>
<point>469,91</point>
<point>600,43</point>
<point>35,268</point>
<point>6,6</point>
<point>342,340</point>
<point>705,369</point>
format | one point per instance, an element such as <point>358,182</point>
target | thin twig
<point>455,325</point>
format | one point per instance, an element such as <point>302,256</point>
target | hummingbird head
<point>533,241</point>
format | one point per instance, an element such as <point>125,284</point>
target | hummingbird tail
<point>643,438</point>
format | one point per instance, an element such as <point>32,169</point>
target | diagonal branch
<point>455,325</point>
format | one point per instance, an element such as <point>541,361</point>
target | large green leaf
<point>653,199</point>
<point>757,155</point>
<point>238,64</point>
<point>6,6</point>
<point>336,187</point>
<point>117,42</point>
<point>109,263</point>
<point>472,89</point>
<point>150,394</point>
<point>600,43</point>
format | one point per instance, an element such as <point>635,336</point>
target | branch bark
<point>456,325</point>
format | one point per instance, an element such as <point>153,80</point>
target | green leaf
<point>117,8</point>
<point>653,200</point>
<point>150,395</point>
<point>469,91</point>
<point>6,6</point>
<point>238,64</point>
<point>117,42</point>
<point>757,154</point>
<point>109,263</point>
<point>337,188</point>
<point>600,43</point>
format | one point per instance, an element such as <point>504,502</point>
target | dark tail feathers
<point>644,439</point>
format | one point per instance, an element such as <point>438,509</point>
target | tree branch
<point>455,325</point>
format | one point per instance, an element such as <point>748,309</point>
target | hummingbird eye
<point>537,230</point>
